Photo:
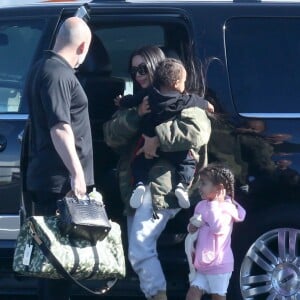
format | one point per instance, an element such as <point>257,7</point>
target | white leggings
<point>143,232</point>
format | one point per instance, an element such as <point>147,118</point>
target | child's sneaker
<point>182,196</point>
<point>137,195</point>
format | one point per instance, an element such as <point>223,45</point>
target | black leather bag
<point>83,218</point>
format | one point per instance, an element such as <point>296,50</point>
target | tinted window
<point>120,42</point>
<point>18,42</point>
<point>263,56</point>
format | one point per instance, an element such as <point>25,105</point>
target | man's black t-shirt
<point>55,95</point>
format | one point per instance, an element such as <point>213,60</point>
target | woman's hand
<point>150,146</point>
<point>144,107</point>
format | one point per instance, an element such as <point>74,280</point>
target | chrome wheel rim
<point>270,269</point>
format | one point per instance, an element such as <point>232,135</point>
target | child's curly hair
<point>168,72</point>
<point>219,174</point>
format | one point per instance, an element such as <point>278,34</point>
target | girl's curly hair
<point>219,174</point>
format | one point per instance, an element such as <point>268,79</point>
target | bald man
<point>60,155</point>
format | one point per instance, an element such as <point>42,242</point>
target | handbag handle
<point>72,195</point>
<point>61,270</point>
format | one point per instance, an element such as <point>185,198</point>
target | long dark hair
<point>152,55</point>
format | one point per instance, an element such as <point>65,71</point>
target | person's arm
<point>219,216</point>
<point>56,97</point>
<point>124,125</point>
<point>204,104</point>
<point>64,143</point>
<point>195,223</point>
<point>237,211</point>
<point>130,101</point>
<point>214,217</point>
<point>194,100</point>
<point>190,130</point>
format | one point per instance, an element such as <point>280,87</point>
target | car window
<point>18,41</point>
<point>120,42</point>
<point>263,56</point>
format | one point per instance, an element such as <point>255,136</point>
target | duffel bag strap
<point>62,271</point>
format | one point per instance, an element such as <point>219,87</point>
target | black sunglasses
<point>141,68</point>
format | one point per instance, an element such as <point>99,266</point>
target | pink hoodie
<point>213,253</point>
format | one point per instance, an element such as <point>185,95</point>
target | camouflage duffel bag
<point>42,251</point>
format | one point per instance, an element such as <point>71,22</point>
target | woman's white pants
<point>143,233</point>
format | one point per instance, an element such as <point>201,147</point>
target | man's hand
<point>78,185</point>
<point>150,146</point>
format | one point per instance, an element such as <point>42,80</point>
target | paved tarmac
<point>20,297</point>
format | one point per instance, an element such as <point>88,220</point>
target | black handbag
<point>83,218</point>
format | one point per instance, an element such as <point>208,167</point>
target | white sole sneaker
<point>183,198</point>
<point>137,196</point>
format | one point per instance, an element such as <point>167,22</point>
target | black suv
<point>251,57</point>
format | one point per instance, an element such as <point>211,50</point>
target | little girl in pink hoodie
<point>212,259</point>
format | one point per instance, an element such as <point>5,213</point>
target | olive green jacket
<point>190,130</point>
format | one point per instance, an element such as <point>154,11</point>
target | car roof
<point>20,3</point>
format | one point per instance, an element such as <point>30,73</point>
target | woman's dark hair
<point>197,72</point>
<point>219,174</point>
<point>152,55</point>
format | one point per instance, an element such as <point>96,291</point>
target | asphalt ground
<point>22,297</point>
